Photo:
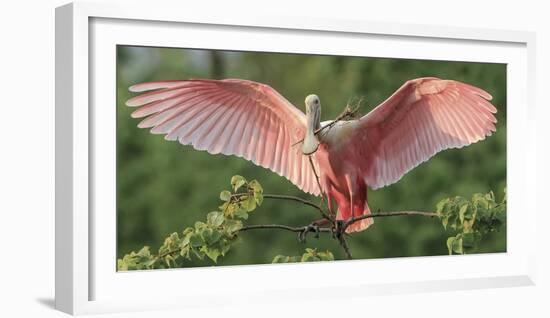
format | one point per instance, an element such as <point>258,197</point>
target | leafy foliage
<point>210,239</point>
<point>470,220</point>
<point>310,255</point>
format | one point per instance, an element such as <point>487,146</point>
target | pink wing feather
<point>421,118</point>
<point>232,117</point>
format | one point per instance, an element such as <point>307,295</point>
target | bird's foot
<point>312,227</point>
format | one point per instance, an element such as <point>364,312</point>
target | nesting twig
<point>348,113</point>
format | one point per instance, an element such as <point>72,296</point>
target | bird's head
<point>313,118</point>
<point>313,104</point>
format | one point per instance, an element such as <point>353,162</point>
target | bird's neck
<point>311,142</point>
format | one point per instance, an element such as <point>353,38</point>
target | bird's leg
<point>327,194</point>
<point>329,205</point>
<point>351,194</point>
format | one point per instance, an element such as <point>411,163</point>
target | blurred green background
<point>163,187</point>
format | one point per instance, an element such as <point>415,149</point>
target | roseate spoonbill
<point>253,121</point>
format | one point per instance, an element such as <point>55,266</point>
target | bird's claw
<point>313,227</point>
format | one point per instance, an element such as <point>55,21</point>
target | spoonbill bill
<point>253,121</point>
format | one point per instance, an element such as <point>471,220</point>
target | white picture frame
<point>86,279</point>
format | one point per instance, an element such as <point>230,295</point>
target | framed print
<point>243,156</point>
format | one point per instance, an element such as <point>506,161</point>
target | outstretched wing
<point>423,117</point>
<point>232,117</point>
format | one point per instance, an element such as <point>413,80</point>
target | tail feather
<point>360,225</point>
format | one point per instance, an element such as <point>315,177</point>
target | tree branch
<point>281,227</point>
<point>342,231</point>
<point>344,226</point>
<point>344,244</point>
<point>385,214</point>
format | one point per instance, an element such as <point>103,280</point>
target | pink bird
<point>253,121</point>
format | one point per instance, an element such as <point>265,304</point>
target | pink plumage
<point>232,117</point>
<point>253,121</point>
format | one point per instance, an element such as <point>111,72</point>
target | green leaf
<point>310,255</point>
<point>185,252</point>
<point>445,221</point>
<point>213,254</point>
<point>188,230</point>
<point>186,239</point>
<point>457,245</point>
<point>207,235</point>
<point>228,209</point>
<point>309,258</point>
<point>241,214</point>
<point>215,218</point>
<point>255,186</point>
<point>225,195</point>
<point>144,251</point>
<point>237,182</point>
<point>454,244</point>
<point>121,265</point>
<point>450,242</point>
<point>462,212</point>
<point>233,226</point>
<point>169,261</point>
<point>225,246</point>
<point>326,256</point>
<point>211,236</point>
<point>198,254</point>
<point>440,206</point>
<point>250,204</point>
<point>196,240</point>
<point>150,263</point>
<point>280,259</point>
<point>259,197</point>
<point>199,226</point>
